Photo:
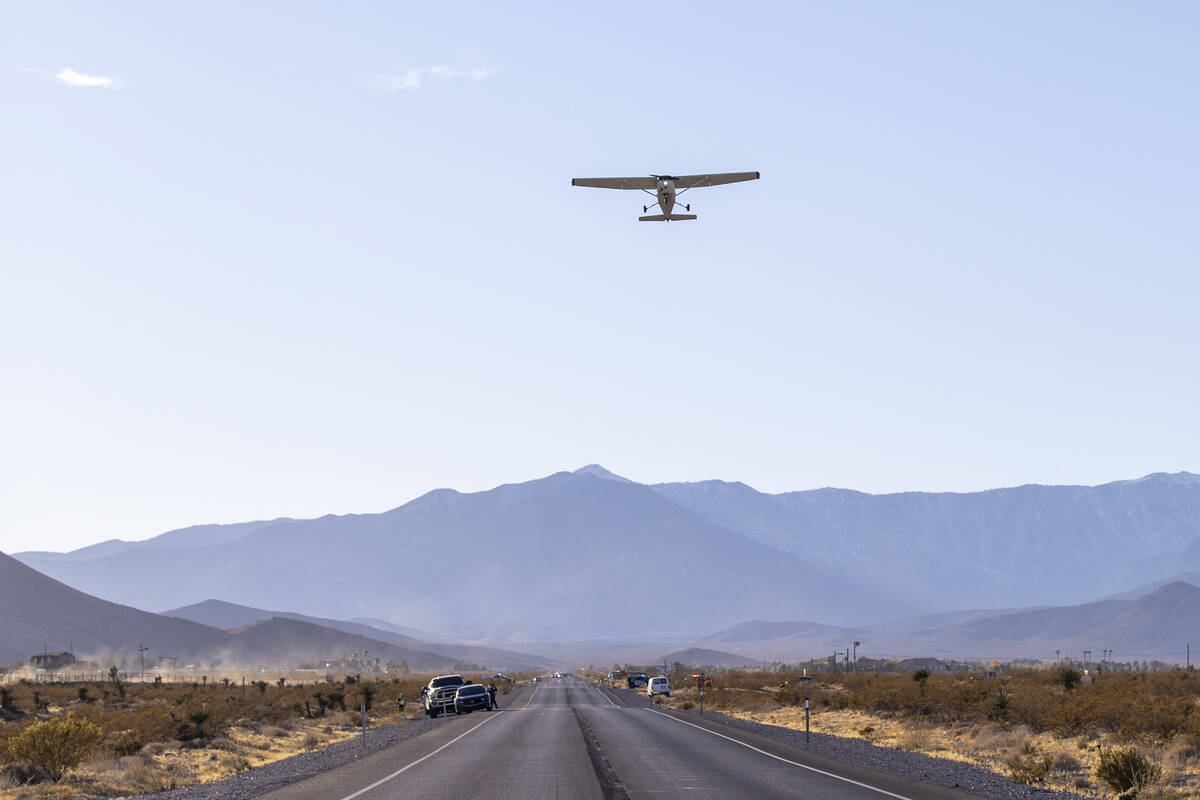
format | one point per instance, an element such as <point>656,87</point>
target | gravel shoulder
<point>915,766</point>
<point>261,780</point>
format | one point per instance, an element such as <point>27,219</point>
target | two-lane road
<point>572,740</point>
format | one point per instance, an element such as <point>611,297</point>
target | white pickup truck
<point>439,694</point>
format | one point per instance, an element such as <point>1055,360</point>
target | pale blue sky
<point>242,281</point>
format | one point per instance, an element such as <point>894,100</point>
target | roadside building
<point>51,661</point>
<point>914,664</point>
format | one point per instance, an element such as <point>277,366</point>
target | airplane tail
<point>666,217</point>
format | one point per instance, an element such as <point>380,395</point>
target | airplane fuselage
<point>666,195</point>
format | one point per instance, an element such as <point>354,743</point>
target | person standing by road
<point>492,693</point>
<point>400,702</point>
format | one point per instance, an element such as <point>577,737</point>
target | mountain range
<point>1158,625</point>
<point>39,613</point>
<point>592,555</point>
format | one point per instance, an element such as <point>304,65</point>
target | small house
<point>51,661</point>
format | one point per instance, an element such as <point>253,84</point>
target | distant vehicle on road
<point>658,685</point>
<point>439,694</point>
<point>637,681</point>
<point>558,674</point>
<point>472,697</point>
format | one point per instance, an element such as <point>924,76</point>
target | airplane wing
<point>616,183</point>
<point>689,181</point>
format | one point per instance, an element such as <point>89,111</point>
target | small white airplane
<point>665,188</point>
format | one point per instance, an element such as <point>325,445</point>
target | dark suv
<point>472,697</point>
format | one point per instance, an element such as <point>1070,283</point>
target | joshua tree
<point>114,675</point>
<point>280,683</point>
<point>367,691</point>
<point>6,697</point>
<point>198,716</point>
<point>920,676</point>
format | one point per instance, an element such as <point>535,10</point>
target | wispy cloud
<point>72,78</point>
<point>415,78</point>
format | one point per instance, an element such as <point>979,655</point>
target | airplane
<point>665,189</point>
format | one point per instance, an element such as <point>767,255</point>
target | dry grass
<point>150,745</point>
<point>1041,732</point>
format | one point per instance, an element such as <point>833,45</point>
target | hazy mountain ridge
<point>1000,547</point>
<point>583,555</point>
<point>577,553</point>
<point>1159,625</point>
<point>235,618</point>
<point>38,612</point>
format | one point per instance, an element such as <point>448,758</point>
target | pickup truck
<point>439,694</point>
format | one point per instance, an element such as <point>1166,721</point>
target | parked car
<point>439,694</point>
<point>658,685</point>
<point>636,681</point>
<point>472,697</point>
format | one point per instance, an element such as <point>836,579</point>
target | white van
<point>658,685</point>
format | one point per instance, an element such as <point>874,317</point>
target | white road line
<point>530,700</point>
<point>781,758</point>
<point>407,767</point>
<point>606,697</point>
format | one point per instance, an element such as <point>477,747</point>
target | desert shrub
<point>1123,769</point>
<point>160,778</point>
<point>1181,753</point>
<point>915,739</point>
<point>1029,766</point>
<point>1066,762</point>
<point>55,746</point>
<point>1069,677</point>
<point>13,775</point>
<point>1158,793</point>
<point>235,761</point>
<point>126,743</point>
<point>311,742</point>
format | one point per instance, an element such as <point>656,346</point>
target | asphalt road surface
<point>570,739</point>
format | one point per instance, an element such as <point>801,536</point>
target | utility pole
<point>856,644</point>
<point>1057,657</point>
<point>1189,656</point>
<point>142,661</point>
